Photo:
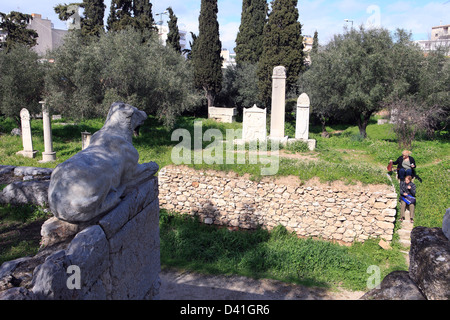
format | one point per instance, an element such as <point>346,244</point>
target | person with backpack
<point>405,165</point>
<point>407,197</point>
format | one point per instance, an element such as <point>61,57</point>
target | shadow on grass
<point>188,244</point>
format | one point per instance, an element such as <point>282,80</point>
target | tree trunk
<point>210,97</point>
<point>363,121</point>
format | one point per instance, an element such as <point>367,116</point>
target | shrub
<point>21,81</point>
<point>88,76</point>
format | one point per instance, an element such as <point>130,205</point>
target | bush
<point>88,76</point>
<point>21,81</point>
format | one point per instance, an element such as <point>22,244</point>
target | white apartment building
<point>440,38</point>
<point>163,31</point>
<point>229,59</point>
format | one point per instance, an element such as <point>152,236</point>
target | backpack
<point>408,199</point>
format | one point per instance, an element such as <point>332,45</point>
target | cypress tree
<point>15,24</point>
<point>143,17</point>
<point>120,15</point>
<point>92,23</point>
<point>173,38</point>
<point>249,40</point>
<point>206,52</point>
<point>283,46</point>
<point>315,45</point>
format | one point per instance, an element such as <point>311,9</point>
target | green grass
<point>344,156</point>
<point>20,231</point>
<point>188,244</point>
<point>185,243</point>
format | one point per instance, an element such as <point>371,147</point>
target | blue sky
<point>327,17</point>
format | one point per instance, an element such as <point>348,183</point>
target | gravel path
<point>181,285</point>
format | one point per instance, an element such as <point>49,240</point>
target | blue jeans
<point>402,173</point>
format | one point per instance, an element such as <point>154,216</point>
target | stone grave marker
<point>26,135</point>
<point>278,104</point>
<point>254,124</point>
<point>302,119</point>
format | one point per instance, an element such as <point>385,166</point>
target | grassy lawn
<point>187,244</point>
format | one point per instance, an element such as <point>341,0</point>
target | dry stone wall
<point>335,212</point>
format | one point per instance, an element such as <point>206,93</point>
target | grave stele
<point>302,119</point>
<point>48,155</point>
<point>26,135</point>
<point>278,103</point>
<point>254,124</point>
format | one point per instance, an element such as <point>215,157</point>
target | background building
<point>440,38</point>
<point>163,31</point>
<point>49,38</point>
<point>229,59</point>
<point>307,47</point>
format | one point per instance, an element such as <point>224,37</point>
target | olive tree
<point>21,81</point>
<point>87,77</point>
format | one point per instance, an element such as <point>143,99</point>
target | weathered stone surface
<point>50,278</point>
<point>395,286</point>
<point>93,181</point>
<point>89,250</point>
<point>16,293</point>
<point>32,171</point>
<point>254,124</point>
<point>26,135</point>
<point>6,169</point>
<point>446,224</point>
<point>26,192</point>
<point>135,199</point>
<point>134,255</point>
<point>430,262</point>
<point>340,212</point>
<point>54,231</point>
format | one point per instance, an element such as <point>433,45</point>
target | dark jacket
<point>399,162</point>
<point>404,188</point>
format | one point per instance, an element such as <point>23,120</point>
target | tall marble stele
<point>278,104</point>
<point>26,135</point>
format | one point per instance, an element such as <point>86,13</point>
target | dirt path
<point>181,285</point>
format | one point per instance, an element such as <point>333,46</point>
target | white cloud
<point>228,34</point>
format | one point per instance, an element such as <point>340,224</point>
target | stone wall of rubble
<point>335,212</point>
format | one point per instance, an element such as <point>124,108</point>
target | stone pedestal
<point>278,104</point>
<point>48,155</point>
<point>27,142</point>
<point>226,115</point>
<point>85,139</point>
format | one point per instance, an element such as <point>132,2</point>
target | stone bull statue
<point>92,182</point>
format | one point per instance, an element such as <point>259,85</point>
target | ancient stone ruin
<point>428,277</point>
<point>26,135</point>
<point>92,251</point>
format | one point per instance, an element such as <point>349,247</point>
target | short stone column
<point>302,119</point>
<point>26,135</point>
<point>278,104</point>
<point>85,139</point>
<point>48,155</point>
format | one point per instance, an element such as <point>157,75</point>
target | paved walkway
<point>405,235</point>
